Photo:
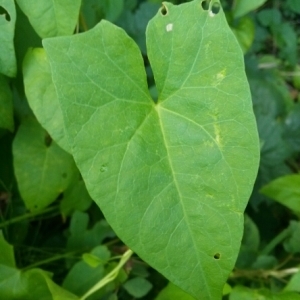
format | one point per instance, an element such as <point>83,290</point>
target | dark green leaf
<point>6,105</point>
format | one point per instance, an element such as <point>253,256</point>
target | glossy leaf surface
<point>172,177</point>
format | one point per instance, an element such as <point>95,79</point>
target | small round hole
<point>205,4</point>
<point>164,10</point>
<point>217,256</point>
<point>215,8</point>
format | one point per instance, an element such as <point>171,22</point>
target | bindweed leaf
<point>173,177</point>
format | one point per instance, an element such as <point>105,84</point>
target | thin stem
<point>251,274</point>
<point>27,216</point>
<point>110,276</point>
<point>48,260</point>
<point>277,240</point>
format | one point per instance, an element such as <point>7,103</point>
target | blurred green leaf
<point>294,283</point>
<point>244,293</point>
<point>137,287</point>
<point>285,190</point>
<point>43,170</point>
<point>270,17</point>
<point>250,243</point>
<point>51,18</point>
<point>8,65</point>
<point>244,32</point>
<point>294,5</point>
<point>242,7</point>
<point>292,243</point>
<point>264,262</point>
<point>292,128</point>
<point>6,105</point>
<point>7,257</point>
<point>34,284</point>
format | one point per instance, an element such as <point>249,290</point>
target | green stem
<point>48,260</point>
<point>277,240</point>
<point>26,216</point>
<point>110,276</point>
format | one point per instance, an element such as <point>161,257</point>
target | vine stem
<point>51,259</point>
<point>110,276</point>
<point>26,216</point>
<point>277,240</point>
<point>279,274</point>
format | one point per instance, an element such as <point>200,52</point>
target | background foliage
<point>57,236</point>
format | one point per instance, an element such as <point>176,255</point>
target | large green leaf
<point>6,105</point>
<point>43,170</point>
<point>173,177</point>
<point>51,18</point>
<point>41,95</point>
<point>8,64</point>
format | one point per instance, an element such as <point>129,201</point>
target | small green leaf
<point>41,95</point>
<point>172,177</point>
<point>7,257</point>
<point>242,7</point>
<point>285,190</point>
<point>137,287</point>
<point>99,256</point>
<point>43,170</point>
<point>51,18</point>
<point>8,64</point>
<point>294,5</point>
<point>6,105</point>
